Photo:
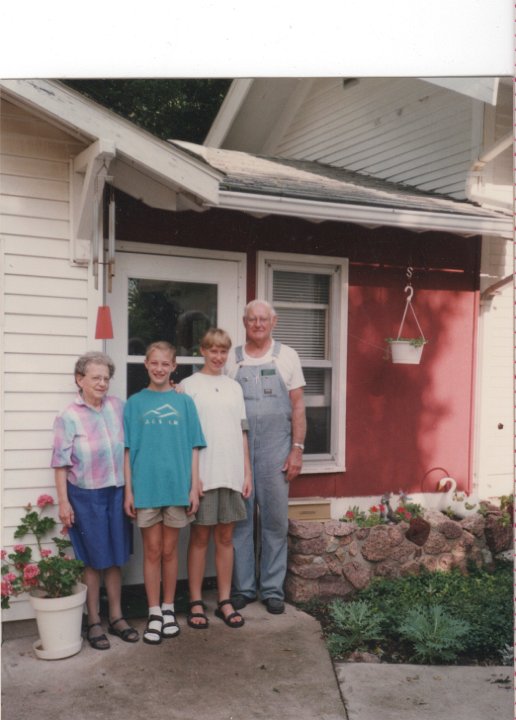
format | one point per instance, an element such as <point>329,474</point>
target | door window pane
<point>178,312</point>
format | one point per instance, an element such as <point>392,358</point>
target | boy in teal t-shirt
<point>162,438</point>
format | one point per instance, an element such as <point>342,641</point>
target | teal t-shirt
<point>161,430</point>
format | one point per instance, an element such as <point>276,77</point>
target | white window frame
<point>338,269</point>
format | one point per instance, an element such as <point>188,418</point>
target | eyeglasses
<point>257,320</point>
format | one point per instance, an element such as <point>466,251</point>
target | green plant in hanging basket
<point>415,342</point>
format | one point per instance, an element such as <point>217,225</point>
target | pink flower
<point>46,553</point>
<point>30,572</point>
<point>7,588</point>
<point>10,577</point>
<point>381,507</point>
<point>19,548</point>
<point>3,554</point>
<point>45,500</point>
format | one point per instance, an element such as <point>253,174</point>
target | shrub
<point>436,635</point>
<point>357,625</point>
<point>483,599</point>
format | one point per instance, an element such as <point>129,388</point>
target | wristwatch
<point>298,445</point>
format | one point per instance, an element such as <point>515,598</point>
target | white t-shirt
<point>220,404</point>
<point>287,362</point>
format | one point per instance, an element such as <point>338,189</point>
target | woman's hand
<point>66,514</point>
<point>129,508</point>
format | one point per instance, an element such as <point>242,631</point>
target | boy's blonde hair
<point>161,345</point>
<point>215,337</point>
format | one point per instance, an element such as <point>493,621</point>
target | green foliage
<point>34,523</point>
<point>357,625</point>
<point>58,574</point>
<point>436,636</point>
<point>180,109</point>
<point>482,599</point>
<point>415,342</point>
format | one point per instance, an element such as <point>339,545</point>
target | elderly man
<point>272,380</point>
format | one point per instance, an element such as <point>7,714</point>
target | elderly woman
<point>88,457</point>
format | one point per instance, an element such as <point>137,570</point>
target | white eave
<point>134,147</point>
<point>367,215</point>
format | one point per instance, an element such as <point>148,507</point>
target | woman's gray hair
<point>251,305</point>
<point>98,358</point>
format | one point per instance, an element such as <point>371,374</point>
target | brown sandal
<point>191,615</point>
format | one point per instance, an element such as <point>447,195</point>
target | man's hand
<point>293,464</point>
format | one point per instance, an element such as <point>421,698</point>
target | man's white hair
<point>251,305</point>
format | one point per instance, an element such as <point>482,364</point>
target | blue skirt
<point>102,533</point>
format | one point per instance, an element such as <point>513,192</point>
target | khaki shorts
<point>170,516</point>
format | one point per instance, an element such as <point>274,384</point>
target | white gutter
<point>317,211</point>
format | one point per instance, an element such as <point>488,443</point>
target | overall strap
<point>276,349</point>
<point>239,354</point>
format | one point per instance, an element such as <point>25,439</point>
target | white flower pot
<point>59,622</point>
<point>404,353</point>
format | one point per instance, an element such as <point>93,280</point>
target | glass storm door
<point>173,298</point>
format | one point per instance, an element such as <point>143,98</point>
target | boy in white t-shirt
<point>225,476</point>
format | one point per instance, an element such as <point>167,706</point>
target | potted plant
<point>52,582</point>
<point>406,350</point>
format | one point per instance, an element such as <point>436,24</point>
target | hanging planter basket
<point>406,350</point>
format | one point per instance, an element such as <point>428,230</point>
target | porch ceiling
<point>268,185</point>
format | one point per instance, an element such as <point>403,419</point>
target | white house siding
<point>494,406</point>
<point>404,130</point>
<point>45,307</point>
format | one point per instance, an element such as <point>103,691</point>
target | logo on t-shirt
<point>164,414</point>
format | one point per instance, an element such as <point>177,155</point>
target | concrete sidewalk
<point>274,668</point>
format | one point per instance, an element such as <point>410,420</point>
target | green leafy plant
<point>415,342</point>
<point>54,575</point>
<point>483,598</point>
<point>357,625</point>
<point>437,636</point>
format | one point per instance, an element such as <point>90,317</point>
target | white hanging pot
<point>59,622</point>
<point>406,351</point>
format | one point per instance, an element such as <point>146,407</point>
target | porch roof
<point>272,185</point>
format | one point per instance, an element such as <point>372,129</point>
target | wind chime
<point>104,326</point>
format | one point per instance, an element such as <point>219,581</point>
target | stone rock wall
<point>332,558</point>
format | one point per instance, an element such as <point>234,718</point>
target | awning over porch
<point>317,192</point>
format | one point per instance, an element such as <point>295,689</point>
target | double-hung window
<point>309,293</point>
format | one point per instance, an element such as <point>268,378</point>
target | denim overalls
<point>268,408</point>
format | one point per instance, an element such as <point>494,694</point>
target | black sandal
<point>128,634</point>
<point>228,618</point>
<point>149,632</point>
<point>99,642</point>
<point>172,623</point>
<point>191,615</point>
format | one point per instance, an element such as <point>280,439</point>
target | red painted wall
<point>404,422</point>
